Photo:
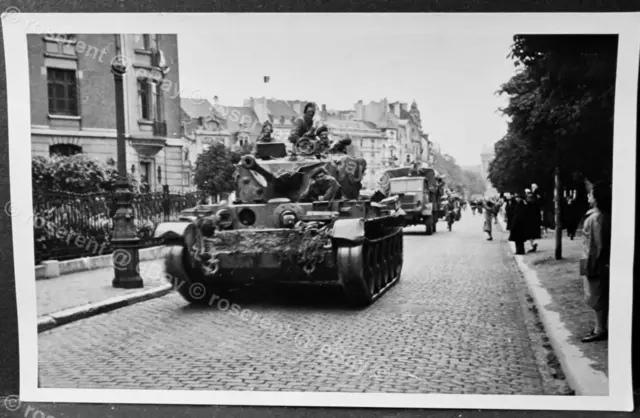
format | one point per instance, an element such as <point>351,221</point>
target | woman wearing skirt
<point>488,217</point>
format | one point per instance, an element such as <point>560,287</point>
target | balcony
<point>160,129</point>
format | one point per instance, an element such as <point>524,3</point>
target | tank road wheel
<point>186,273</point>
<point>378,267</point>
<point>389,270</point>
<point>351,263</point>
<point>367,271</point>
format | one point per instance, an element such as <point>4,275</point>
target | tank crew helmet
<point>319,173</point>
<point>346,140</point>
<point>321,130</point>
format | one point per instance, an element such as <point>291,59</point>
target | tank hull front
<point>268,255</point>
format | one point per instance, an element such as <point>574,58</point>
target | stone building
<point>73,108</point>
<point>379,116</point>
<point>411,144</point>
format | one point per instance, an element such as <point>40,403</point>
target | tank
<point>297,219</point>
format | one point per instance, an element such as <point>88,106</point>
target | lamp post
<point>125,240</point>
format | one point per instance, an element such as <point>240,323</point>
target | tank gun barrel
<point>249,162</point>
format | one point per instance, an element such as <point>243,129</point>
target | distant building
<point>367,142</point>
<point>73,105</point>
<point>410,132</point>
<point>486,156</point>
<point>205,124</point>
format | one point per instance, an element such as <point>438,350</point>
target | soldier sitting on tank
<point>322,143</point>
<point>340,146</point>
<point>322,186</point>
<point>303,125</point>
<point>265,134</point>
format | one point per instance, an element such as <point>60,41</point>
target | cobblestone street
<point>457,322</point>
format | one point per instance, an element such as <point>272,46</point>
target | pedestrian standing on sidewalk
<point>534,221</point>
<point>572,217</point>
<point>594,264</point>
<point>518,223</point>
<point>488,217</point>
<point>508,211</point>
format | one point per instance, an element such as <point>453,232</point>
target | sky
<point>338,60</point>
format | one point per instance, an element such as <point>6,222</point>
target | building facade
<point>367,142</point>
<point>73,108</point>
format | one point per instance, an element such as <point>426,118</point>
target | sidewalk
<point>83,294</point>
<point>557,289</point>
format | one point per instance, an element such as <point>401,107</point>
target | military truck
<point>297,219</point>
<point>419,190</point>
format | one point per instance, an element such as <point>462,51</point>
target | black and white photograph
<point>401,210</point>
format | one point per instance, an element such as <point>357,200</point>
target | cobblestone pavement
<point>456,323</point>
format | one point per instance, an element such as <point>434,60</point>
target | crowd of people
<point>528,214</point>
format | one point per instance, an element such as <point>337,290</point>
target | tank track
<point>365,270</point>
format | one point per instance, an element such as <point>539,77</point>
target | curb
<point>52,269</point>
<point>582,378</point>
<point>57,319</point>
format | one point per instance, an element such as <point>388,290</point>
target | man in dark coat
<point>509,208</point>
<point>534,219</point>
<point>518,224</point>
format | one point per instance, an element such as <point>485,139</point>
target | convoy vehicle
<point>419,191</point>
<point>296,219</point>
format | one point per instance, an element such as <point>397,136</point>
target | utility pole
<point>125,239</point>
<point>558,207</point>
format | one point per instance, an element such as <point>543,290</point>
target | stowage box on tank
<point>297,219</point>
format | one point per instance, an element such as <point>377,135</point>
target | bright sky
<point>337,60</point>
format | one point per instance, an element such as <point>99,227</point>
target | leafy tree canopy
<point>78,173</point>
<point>215,168</point>
<point>560,111</point>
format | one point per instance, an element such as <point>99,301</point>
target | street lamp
<point>125,240</point>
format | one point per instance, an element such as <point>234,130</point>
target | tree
<point>473,182</point>
<point>77,173</point>
<point>214,171</point>
<point>561,115</point>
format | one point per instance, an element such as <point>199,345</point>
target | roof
<point>349,124</point>
<point>237,116</point>
<point>195,108</point>
<point>405,115</point>
<point>280,108</point>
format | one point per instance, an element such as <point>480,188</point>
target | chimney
<point>324,112</point>
<point>359,110</point>
<point>215,100</point>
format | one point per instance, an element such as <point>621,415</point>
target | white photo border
<point>626,25</point>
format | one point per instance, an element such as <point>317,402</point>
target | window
<point>64,150</point>
<point>186,178</point>
<point>145,42</point>
<point>63,94</point>
<point>145,176</point>
<point>147,92</point>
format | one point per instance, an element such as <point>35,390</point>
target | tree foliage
<point>560,111</point>
<point>215,168</point>
<point>78,173</point>
<point>474,183</point>
<point>458,180</point>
